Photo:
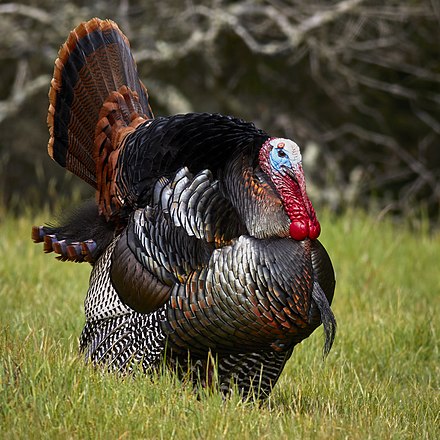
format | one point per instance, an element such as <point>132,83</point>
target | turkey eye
<point>281,153</point>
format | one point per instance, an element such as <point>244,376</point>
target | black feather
<point>81,224</point>
<point>327,317</point>
<point>196,140</point>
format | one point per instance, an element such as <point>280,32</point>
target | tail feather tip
<point>37,234</point>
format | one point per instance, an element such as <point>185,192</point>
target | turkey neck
<point>253,196</point>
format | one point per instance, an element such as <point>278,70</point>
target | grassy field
<point>380,381</point>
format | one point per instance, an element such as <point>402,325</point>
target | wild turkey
<point>202,239</point>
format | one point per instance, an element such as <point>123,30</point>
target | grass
<point>380,381</point>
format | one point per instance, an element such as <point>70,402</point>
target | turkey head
<point>280,159</point>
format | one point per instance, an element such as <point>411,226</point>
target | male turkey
<point>202,239</point>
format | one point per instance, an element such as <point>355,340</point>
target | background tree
<point>355,82</point>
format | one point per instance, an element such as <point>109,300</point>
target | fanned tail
<point>96,98</point>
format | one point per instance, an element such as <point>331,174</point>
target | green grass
<point>380,381</point>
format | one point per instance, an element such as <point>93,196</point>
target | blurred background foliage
<point>355,82</point>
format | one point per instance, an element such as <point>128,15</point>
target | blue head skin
<point>285,155</point>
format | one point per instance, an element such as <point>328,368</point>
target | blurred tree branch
<point>28,11</point>
<point>355,81</point>
<point>22,90</point>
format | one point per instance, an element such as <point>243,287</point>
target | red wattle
<point>314,230</point>
<point>298,230</point>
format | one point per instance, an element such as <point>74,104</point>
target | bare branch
<point>26,10</point>
<point>322,18</point>
<point>12,105</point>
<point>415,165</point>
<point>232,18</point>
<point>428,120</point>
<point>417,71</point>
